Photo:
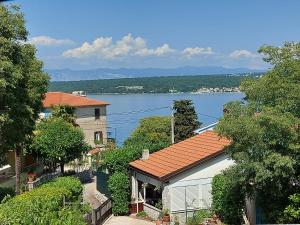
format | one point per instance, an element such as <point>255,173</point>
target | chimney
<point>145,154</point>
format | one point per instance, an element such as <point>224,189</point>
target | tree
<point>58,141</point>
<point>228,197</point>
<point>65,112</point>
<point>185,120</point>
<point>265,131</point>
<point>22,85</point>
<point>153,133</point>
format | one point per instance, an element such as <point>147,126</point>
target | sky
<point>90,34</point>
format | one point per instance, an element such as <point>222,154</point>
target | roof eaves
<point>173,174</point>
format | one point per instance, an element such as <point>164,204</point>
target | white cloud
<point>104,47</point>
<point>190,52</point>
<point>159,51</point>
<point>49,41</point>
<point>238,54</point>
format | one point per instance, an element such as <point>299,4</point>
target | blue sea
<point>126,110</point>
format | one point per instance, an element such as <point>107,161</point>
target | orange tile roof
<point>61,98</point>
<point>179,157</point>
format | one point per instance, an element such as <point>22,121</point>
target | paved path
<point>126,220</point>
<point>91,195</point>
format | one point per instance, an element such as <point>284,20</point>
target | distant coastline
<point>170,84</point>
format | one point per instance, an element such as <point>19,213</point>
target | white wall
<point>192,189</point>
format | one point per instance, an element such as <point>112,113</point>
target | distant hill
<point>106,73</point>
<point>165,84</point>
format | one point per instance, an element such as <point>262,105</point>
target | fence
<point>99,215</point>
<point>42,179</point>
<point>102,182</point>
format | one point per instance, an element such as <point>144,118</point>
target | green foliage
<point>185,120</point>
<point>291,213</point>
<point>141,214</point>
<point>265,131</point>
<point>6,191</point>
<point>66,112</point>
<point>71,183</point>
<point>58,141</point>
<point>118,160</point>
<point>118,185</point>
<point>150,84</point>
<point>153,133</point>
<point>22,81</point>
<point>199,217</point>
<point>43,205</point>
<point>228,199</point>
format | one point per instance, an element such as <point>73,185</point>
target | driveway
<point>126,220</point>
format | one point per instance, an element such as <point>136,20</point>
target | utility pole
<point>172,125</point>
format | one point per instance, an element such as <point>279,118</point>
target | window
<point>97,113</point>
<point>98,137</point>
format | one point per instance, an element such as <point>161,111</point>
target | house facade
<point>90,115</point>
<point>179,177</point>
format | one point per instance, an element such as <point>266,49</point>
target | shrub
<point>43,205</point>
<point>141,214</point>
<point>6,191</point>
<point>118,185</point>
<point>70,183</point>
<point>228,199</point>
<point>199,217</point>
<point>291,213</point>
<point>119,159</point>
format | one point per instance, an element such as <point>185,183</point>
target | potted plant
<point>159,219</point>
<point>166,215</point>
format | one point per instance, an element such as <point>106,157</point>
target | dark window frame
<point>97,113</point>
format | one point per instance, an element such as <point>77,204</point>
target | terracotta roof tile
<point>61,98</point>
<point>183,155</point>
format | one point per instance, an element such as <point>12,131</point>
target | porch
<point>146,195</point>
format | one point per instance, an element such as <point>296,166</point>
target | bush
<point>6,191</point>
<point>228,200</point>
<point>118,160</point>
<point>141,214</point>
<point>291,213</point>
<point>118,185</point>
<point>43,205</point>
<point>70,183</point>
<point>199,217</point>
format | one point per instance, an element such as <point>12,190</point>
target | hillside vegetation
<point>151,84</point>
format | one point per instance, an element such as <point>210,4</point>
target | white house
<point>180,176</point>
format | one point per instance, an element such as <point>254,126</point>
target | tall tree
<point>185,120</point>
<point>22,85</point>
<point>153,133</point>
<point>265,132</point>
<point>58,142</point>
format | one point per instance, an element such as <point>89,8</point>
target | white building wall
<point>192,189</point>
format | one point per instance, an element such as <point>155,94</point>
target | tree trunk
<point>62,167</point>
<point>18,153</point>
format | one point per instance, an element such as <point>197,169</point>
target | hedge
<point>118,185</point>
<point>70,183</point>
<point>44,206</point>
<point>228,200</point>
